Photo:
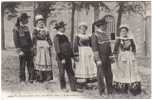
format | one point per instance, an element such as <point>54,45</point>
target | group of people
<point>94,60</point>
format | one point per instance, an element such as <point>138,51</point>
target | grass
<point>12,87</point>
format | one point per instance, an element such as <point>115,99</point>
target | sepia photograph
<point>80,49</point>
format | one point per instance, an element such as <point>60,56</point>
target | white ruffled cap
<point>124,25</point>
<point>38,17</point>
<point>83,24</point>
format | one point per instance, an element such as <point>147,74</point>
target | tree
<point>44,8</point>
<point>71,6</point>
<point>128,7</point>
<point>79,5</point>
<point>95,4</point>
<point>8,8</point>
<point>72,21</point>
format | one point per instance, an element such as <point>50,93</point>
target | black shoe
<point>65,90</point>
<point>21,81</point>
<point>109,91</point>
<point>31,81</point>
<point>101,92</point>
<point>79,90</point>
<point>73,89</point>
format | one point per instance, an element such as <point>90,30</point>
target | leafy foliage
<point>137,7</point>
<point>87,4</point>
<point>44,8</point>
<point>9,8</point>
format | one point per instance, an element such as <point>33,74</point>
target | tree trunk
<point>34,13</point>
<point>145,36</point>
<point>72,22</point>
<point>96,16</point>
<point>119,19</point>
<point>2,29</point>
<point>96,13</point>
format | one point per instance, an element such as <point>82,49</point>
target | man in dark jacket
<point>64,54</point>
<point>102,52</point>
<point>23,43</point>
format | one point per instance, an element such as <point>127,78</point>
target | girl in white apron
<point>42,44</point>
<point>125,71</point>
<point>85,70</point>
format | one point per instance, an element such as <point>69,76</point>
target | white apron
<point>86,67</point>
<point>43,60</point>
<point>125,69</point>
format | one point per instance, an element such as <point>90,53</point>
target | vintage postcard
<point>85,49</point>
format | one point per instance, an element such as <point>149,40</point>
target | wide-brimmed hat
<point>24,16</point>
<point>39,17</point>
<point>83,24</point>
<point>59,25</point>
<point>100,22</point>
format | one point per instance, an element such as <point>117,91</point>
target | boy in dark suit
<point>102,52</point>
<point>23,43</point>
<point>64,54</point>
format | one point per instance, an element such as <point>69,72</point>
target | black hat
<point>100,22</point>
<point>24,16</point>
<point>59,25</point>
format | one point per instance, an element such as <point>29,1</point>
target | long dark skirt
<point>42,76</point>
<point>85,83</point>
<point>134,88</point>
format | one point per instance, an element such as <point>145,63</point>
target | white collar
<point>99,30</point>
<point>129,37</point>
<point>60,33</point>
<point>39,29</point>
<point>22,25</point>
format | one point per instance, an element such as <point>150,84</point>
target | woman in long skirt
<point>85,70</point>
<point>42,44</point>
<point>125,71</point>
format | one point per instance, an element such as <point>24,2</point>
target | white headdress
<point>124,25</point>
<point>83,24</point>
<point>38,17</point>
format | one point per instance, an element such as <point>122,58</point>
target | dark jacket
<point>101,47</point>
<point>120,44</point>
<point>22,38</point>
<point>81,42</point>
<point>62,47</point>
<point>38,36</point>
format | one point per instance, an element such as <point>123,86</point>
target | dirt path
<point>12,87</point>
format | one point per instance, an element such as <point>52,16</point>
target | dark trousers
<point>42,76</point>
<point>68,68</point>
<point>26,60</point>
<point>104,71</point>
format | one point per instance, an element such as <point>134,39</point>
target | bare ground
<point>12,87</point>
